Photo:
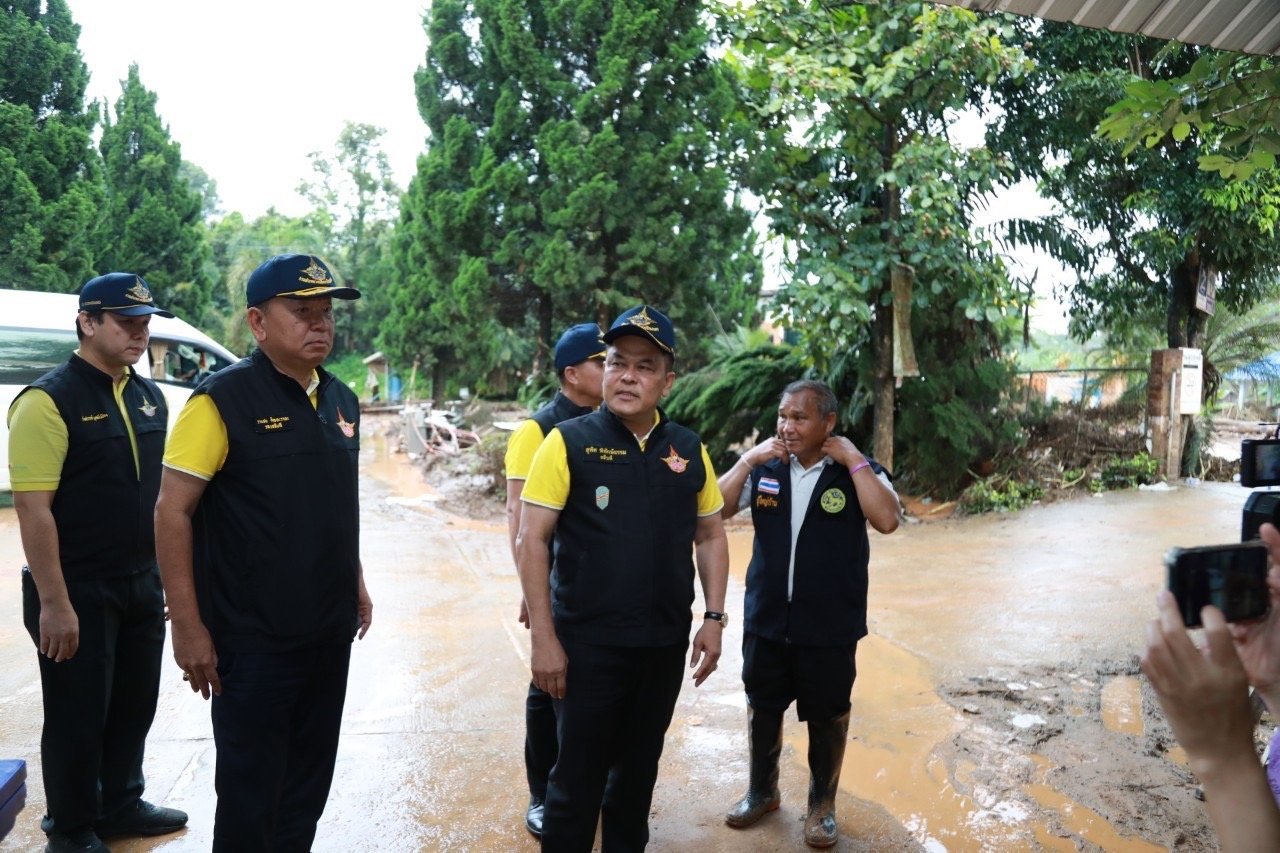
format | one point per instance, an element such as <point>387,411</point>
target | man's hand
<point>194,652</point>
<point>1205,693</point>
<point>364,609</point>
<point>706,646</point>
<point>1258,642</point>
<point>843,451</point>
<point>59,631</point>
<point>769,449</point>
<point>549,665</point>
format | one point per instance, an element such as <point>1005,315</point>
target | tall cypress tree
<point>152,223</point>
<point>578,163</point>
<point>50,181</point>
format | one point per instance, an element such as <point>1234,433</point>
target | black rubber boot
<point>765,734</point>
<point>826,756</point>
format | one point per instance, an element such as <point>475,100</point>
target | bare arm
<point>879,502</point>
<point>711,548</point>
<point>514,489</point>
<point>1205,697</point>
<point>59,624</point>
<point>732,481</point>
<point>1258,642</point>
<point>193,649</point>
<point>533,561</point>
<point>364,607</point>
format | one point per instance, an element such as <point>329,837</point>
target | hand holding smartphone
<point>1233,578</point>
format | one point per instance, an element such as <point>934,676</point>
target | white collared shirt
<point>803,482</point>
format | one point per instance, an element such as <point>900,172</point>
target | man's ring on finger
<point>186,676</point>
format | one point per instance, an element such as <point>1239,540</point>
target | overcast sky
<point>248,89</point>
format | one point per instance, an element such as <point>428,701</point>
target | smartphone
<point>1260,462</point>
<point>1233,578</point>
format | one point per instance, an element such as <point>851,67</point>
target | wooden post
<point>1164,384</point>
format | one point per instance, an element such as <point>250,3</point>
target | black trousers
<point>540,742</point>
<point>612,722</point>
<point>99,705</point>
<point>818,679</point>
<point>276,729</point>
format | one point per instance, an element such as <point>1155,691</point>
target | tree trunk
<point>882,324</point>
<point>882,419</point>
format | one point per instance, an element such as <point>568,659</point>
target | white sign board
<point>1207,289</point>
<point>1192,381</point>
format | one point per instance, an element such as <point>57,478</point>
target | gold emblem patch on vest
<point>602,496</point>
<point>674,462</point>
<point>348,428</point>
<point>147,408</point>
<point>832,500</point>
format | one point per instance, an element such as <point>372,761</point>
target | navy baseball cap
<point>577,344</point>
<point>295,276</point>
<point>120,293</point>
<point>646,322</point>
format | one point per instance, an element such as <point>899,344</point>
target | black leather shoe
<point>142,819</point>
<point>533,817</point>
<point>84,841</point>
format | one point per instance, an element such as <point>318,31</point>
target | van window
<point>182,363</point>
<point>28,354</point>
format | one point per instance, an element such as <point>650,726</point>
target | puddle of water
<point>1122,705</point>
<point>1078,820</point>
<point>393,469</point>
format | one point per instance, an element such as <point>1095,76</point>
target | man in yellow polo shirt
<point>85,442</point>
<point>579,362</point>
<point>629,498</point>
<point>258,531</point>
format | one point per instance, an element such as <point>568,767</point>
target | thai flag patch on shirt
<point>768,486</point>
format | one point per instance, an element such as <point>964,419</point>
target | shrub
<point>1126,473</point>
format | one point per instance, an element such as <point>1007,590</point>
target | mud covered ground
<point>1046,736</point>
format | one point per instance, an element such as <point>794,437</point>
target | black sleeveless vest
<point>277,531</point>
<point>828,604</point>
<point>623,552</point>
<point>105,506</point>
<point>560,408</point>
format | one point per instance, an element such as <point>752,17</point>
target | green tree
<point>50,178</point>
<point>238,247</point>
<point>152,222</point>
<point>1140,231</point>
<point>577,163</point>
<point>356,198</point>
<point>1231,100</point>
<point>863,183</point>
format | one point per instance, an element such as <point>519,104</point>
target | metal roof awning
<point>1248,26</point>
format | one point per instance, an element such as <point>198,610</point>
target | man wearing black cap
<point>85,442</point>
<point>258,525</point>
<point>579,363</point>
<point>629,497</point>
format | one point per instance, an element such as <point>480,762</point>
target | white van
<point>38,332</point>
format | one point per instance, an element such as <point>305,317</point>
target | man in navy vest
<point>258,525</point>
<point>85,442</point>
<point>812,494</point>
<point>579,362</point>
<point>630,498</point>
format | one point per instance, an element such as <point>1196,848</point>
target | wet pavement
<point>431,753</point>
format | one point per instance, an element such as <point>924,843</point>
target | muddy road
<point>997,705</point>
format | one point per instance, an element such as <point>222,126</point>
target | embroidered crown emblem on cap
<point>314,274</point>
<point>138,292</point>
<point>642,320</point>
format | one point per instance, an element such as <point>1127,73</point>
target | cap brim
<point>317,292</point>
<point>137,311</point>
<point>613,334</point>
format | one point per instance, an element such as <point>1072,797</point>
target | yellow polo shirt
<point>547,483</point>
<point>521,447</point>
<point>198,442</point>
<point>38,440</point>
